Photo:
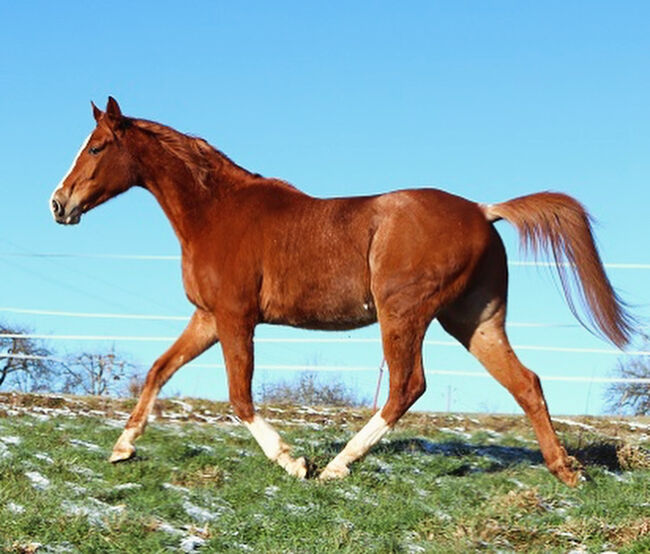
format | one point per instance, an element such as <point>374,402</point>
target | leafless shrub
<point>309,390</point>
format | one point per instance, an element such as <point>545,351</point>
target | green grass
<point>420,490</point>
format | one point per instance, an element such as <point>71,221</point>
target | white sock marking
<point>266,437</point>
<point>370,435</point>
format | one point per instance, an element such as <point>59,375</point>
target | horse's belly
<point>318,305</point>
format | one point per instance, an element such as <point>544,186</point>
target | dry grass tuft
<point>632,456</point>
<point>618,535</point>
<point>208,475</point>
<point>526,500</point>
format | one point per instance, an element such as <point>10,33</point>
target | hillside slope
<point>439,482</point>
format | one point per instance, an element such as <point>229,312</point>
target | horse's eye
<point>94,150</point>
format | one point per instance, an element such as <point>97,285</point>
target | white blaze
<point>74,162</point>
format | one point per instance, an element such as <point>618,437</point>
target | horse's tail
<point>559,223</point>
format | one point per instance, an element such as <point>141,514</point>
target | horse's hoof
<point>334,472</point>
<point>569,471</point>
<point>122,454</point>
<point>298,468</point>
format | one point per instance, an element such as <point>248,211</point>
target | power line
<point>102,315</point>
<point>165,257</point>
<point>141,257</point>
<point>319,340</point>
<point>92,315</point>
<point>339,368</point>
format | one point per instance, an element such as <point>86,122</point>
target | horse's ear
<point>113,108</point>
<point>97,113</point>
<point>114,118</point>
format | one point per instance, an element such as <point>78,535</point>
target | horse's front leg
<point>237,344</point>
<point>198,336</point>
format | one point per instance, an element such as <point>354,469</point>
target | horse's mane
<point>202,160</point>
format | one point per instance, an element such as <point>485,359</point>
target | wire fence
<point>312,340</point>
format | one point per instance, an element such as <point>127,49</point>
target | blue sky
<point>487,100</point>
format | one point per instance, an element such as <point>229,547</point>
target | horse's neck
<point>190,206</point>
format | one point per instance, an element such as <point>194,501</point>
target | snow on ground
<point>85,444</point>
<point>44,458</point>
<point>177,488</point>
<point>202,515</point>
<point>15,508</point>
<point>96,511</point>
<point>127,486</point>
<point>38,480</point>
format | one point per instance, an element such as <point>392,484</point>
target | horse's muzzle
<point>63,215</point>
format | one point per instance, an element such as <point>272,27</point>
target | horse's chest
<point>199,283</point>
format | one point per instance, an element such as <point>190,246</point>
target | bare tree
<point>631,396</point>
<point>25,364</point>
<point>96,373</point>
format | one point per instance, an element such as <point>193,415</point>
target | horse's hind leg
<point>487,340</point>
<point>198,336</point>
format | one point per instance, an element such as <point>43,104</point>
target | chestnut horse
<point>257,250</point>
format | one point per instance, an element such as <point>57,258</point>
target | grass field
<point>438,483</point>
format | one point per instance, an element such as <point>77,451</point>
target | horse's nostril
<point>57,209</point>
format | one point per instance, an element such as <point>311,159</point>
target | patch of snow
<point>200,447</point>
<point>77,489</point>
<point>127,486</point>
<point>176,488</point>
<point>39,481</point>
<point>182,404</point>
<point>4,451</point>
<point>44,458</point>
<point>86,472</point>
<point>271,491</point>
<point>85,444</point>
<point>168,528</point>
<point>191,543</point>
<point>198,513</point>
<point>442,516</point>
<point>382,466</point>
<point>94,510</point>
<point>352,492</point>
<point>114,423</point>
<point>574,423</point>
<point>617,476</point>
<point>11,440</point>
<point>15,508</point>
<point>455,431</point>
<point>517,483</point>
<point>294,509</point>
<point>61,548</point>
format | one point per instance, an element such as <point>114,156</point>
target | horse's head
<point>103,168</point>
